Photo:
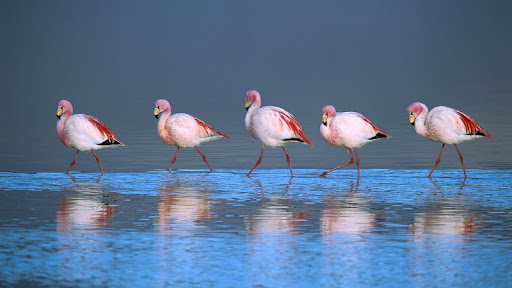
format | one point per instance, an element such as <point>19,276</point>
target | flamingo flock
<point>274,127</point>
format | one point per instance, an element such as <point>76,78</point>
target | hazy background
<point>113,59</point>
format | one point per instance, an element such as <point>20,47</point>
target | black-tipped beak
<point>413,123</point>
<point>58,116</point>
<point>156,116</point>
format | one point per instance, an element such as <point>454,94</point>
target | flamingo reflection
<point>86,205</point>
<point>348,216</point>
<point>181,205</point>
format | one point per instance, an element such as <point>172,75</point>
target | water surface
<point>189,228</point>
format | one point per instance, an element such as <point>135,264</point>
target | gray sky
<point>113,59</point>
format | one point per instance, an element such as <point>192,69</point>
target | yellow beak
<point>324,119</point>
<point>59,112</point>
<point>247,104</point>
<point>156,112</point>
<point>412,118</point>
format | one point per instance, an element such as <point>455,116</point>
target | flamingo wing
<point>287,122</point>
<point>471,126</point>
<point>208,129</point>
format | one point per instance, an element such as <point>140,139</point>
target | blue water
<point>193,229</point>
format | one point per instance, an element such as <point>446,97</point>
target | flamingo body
<point>445,125</point>
<point>183,130</point>
<point>273,126</point>
<point>83,132</point>
<point>350,130</point>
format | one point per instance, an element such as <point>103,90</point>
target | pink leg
<point>173,159</point>
<point>97,160</point>
<point>204,159</point>
<point>461,160</point>
<point>257,162</point>
<point>288,160</point>
<point>437,162</point>
<point>357,162</point>
<point>339,167</point>
<point>72,162</point>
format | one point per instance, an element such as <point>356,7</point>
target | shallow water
<point>190,228</point>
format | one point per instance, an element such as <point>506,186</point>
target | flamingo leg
<point>461,160</point>
<point>341,166</point>
<point>173,159</point>
<point>288,160</point>
<point>437,161</point>
<point>257,162</point>
<point>357,162</point>
<point>72,162</point>
<point>204,159</point>
<point>97,160</point>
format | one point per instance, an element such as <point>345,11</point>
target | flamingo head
<point>328,113</point>
<point>416,109</point>
<point>64,107</point>
<point>252,96</point>
<point>161,105</point>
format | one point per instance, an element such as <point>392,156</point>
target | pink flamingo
<point>445,125</point>
<point>273,126</point>
<point>350,130</point>
<point>83,132</point>
<point>183,130</point>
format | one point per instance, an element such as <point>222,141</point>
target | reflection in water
<point>182,211</point>
<point>444,216</point>
<point>348,215</point>
<point>272,245</point>
<point>85,212</point>
<point>440,236</point>
<point>181,206</point>
<point>86,205</point>
<point>346,221</point>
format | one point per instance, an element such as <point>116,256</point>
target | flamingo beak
<point>59,112</point>
<point>324,119</point>
<point>247,105</point>
<point>156,112</point>
<point>412,119</point>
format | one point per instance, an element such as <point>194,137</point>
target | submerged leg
<point>173,159</point>
<point>461,160</point>
<point>288,160</point>
<point>257,162</point>
<point>357,162</point>
<point>97,160</point>
<point>204,159</point>
<point>437,161</point>
<point>72,162</point>
<point>341,166</point>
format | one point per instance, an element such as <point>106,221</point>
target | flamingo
<point>350,130</point>
<point>183,130</point>
<point>445,125</point>
<point>83,132</point>
<point>273,126</point>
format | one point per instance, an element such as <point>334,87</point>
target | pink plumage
<point>83,132</point>
<point>350,130</point>
<point>273,126</point>
<point>445,125</point>
<point>183,130</point>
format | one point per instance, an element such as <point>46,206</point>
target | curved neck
<point>60,126</point>
<point>419,124</point>
<point>248,116</point>
<point>162,120</point>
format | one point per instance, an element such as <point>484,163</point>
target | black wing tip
<point>110,142</point>
<point>294,140</point>
<point>378,136</point>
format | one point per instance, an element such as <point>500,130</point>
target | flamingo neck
<point>161,123</point>
<point>60,127</point>
<point>419,124</point>
<point>248,116</point>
